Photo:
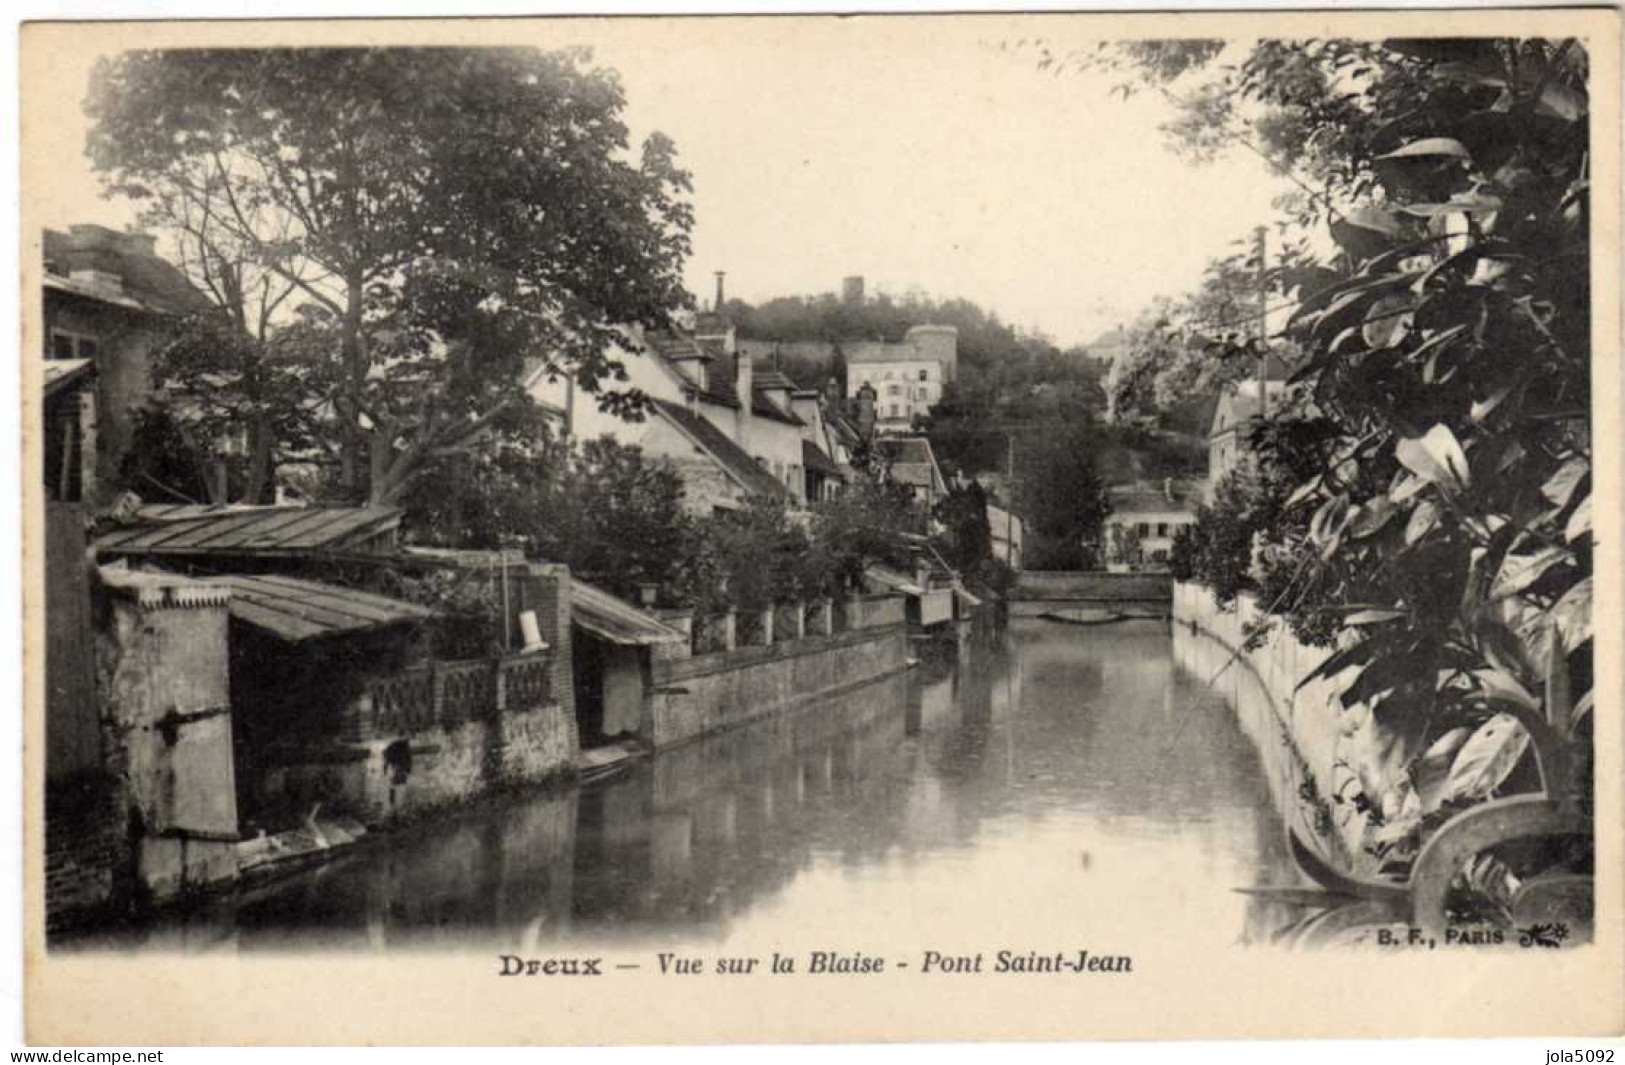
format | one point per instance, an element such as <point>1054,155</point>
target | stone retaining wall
<point>711,692</point>
<point>1318,753</point>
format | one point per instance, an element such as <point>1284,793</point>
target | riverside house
<point>729,433</point>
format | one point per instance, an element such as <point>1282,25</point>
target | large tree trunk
<point>355,368</point>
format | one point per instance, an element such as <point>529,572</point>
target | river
<point>1061,770</point>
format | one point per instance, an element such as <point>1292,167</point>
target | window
<point>923,376</point>
<point>888,375</point>
<point>1143,528</point>
<point>69,345</point>
<point>893,390</point>
<point>894,410</point>
<point>1162,528</point>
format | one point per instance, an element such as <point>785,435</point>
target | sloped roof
<point>296,610</point>
<point>769,379</point>
<point>734,460</point>
<point>60,373</point>
<point>892,580</point>
<point>763,407</point>
<point>1154,496</point>
<point>814,460</point>
<point>251,531</point>
<point>615,620</point>
<point>150,282</point>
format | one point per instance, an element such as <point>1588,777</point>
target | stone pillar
<point>729,631</point>
<point>546,590</point>
<point>767,626</point>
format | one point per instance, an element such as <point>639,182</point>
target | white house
<point>1149,513</point>
<point>729,434</point>
<point>1233,419</point>
<point>908,377</point>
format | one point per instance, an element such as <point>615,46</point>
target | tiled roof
<point>250,531</point>
<point>620,622</point>
<point>733,458</point>
<point>815,461</point>
<point>296,610</point>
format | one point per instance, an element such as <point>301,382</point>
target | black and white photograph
<point>905,515</point>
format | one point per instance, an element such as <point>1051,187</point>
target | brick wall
<point>86,851</point>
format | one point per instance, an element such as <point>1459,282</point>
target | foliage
<point>967,539</point>
<point>1062,498</point>
<point>430,265</point>
<point>1447,521</point>
<point>1125,547</point>
<point>866,524</point>
<point>603,508</point>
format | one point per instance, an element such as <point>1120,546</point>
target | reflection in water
<point>1058,771</point>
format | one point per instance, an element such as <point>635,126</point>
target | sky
<point>913,152</point>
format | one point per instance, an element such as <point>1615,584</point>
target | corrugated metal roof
<point>617,621</point>
<point>253,531</point>
<point>295,610</point>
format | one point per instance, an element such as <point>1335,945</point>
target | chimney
<point>852,289</point>
<point>720,275</point>
<point>1168,488</point>
<point>743,386</point>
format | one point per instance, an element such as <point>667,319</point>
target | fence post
<point>728,630</point>
<point>767,625</point>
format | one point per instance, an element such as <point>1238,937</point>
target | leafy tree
<point>1449,343</point>
<point>968,538</point>
<point>1062,498</point>
<point>444,213</point>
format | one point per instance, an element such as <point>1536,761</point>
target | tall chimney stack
<point>720,275</point>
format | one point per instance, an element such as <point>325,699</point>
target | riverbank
<point>1318,754</point>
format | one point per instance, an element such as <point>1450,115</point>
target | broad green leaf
<point>1572,615</point>
<point>1485,760</point>
<point>1373,617</point>
<point>1424,519</point>
<point>1499,686</point>
<point>1579,522</point>
<point>1388,321</point>
<point>1520,571</point>
<point>1369,518</point>
<point>1436,457</point>
<point>1432,769</point>
<point>1559,487</point>
<point>1430,147</point>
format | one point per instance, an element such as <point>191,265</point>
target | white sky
<point>910,151</point>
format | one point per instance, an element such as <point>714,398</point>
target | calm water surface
<point>1074,773</point>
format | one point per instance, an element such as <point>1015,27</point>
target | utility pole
<point>1263,331</point>
<point>1010,498</point>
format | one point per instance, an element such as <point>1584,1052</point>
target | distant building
<point>1105,348</point>
<point>912,463</point>
<point>908,377</point>
<point>1150,513</point>
<point>1009,532</point>
<point>1233,419</point>
<point>109,299</point>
